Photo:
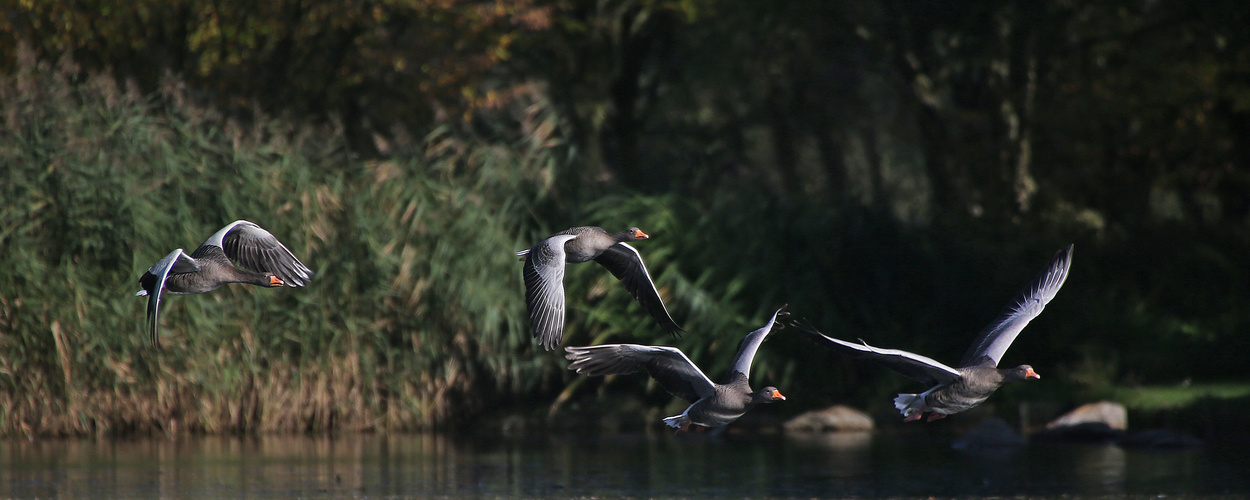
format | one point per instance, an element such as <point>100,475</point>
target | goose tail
<point>910,404</point>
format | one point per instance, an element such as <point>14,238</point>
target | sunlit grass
<point>414,316</point>
<point>1176,396</point>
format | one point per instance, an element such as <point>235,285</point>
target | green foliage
<point>1172,397</point>
<point>391,61</point>
<point>414,312</point>
<point>893,171</point>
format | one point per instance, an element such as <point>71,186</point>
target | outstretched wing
<point>255,249</point>
<point>544,289</point>
<point>751,343</point>
<point>667,365</point>
<point>153,282</point>
<point>923,369</point>
<point>998,336</point>
<point>626,264</point>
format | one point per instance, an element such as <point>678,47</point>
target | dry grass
<point>411,318</point>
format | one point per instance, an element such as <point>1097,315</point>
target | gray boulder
<point>835,418</point>
<point>1101,422</point>
<point>1114,415</point>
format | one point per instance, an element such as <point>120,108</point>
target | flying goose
<point>712,404</point>
<point>262,261</point>
<point>977,376</point>
<point>544,276</point>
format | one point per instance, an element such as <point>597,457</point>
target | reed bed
<point>416,318</point>
<point>413,315</point>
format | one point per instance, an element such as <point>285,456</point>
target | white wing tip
<point>677,421</point>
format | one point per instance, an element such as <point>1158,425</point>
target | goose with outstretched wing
<point>711,404</point>
<point>956,389</point>
<point>261,260</point>
<point>544,276</point>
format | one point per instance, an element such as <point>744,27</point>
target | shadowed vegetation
<point>402,325</point>
<point>894,171</point>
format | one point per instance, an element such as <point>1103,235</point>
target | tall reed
<point>413,316</point>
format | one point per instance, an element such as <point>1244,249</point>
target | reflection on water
<point>902,464</point>
<point>1099,468</point>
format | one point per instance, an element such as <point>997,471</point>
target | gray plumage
<point>956,389</point>
<point>261,260</point>
<point>544,276</point>
<point>712,404</point>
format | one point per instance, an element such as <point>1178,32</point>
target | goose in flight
<point>262,261</point>
<point>712,404</point>
<point>977,376</point>
<point>544,276</point>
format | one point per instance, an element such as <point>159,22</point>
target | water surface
<point>570,465</point>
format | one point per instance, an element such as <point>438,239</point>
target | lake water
<point>915,464</point>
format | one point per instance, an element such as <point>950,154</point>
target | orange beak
<point>1031,375</point>
<point>777,395</point>
<point>640,235</point>
<point>274,281</point>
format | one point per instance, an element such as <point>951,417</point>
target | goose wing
<point>923,369</point>
<point>544,288</point>
<point>626,264</point>
<point>667,365</point>
<point>255,249</point>
<point>998,336</point>
<point>751,343</point>
<point>153,282</point>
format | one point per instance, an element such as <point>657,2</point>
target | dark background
<point>894,170</point>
